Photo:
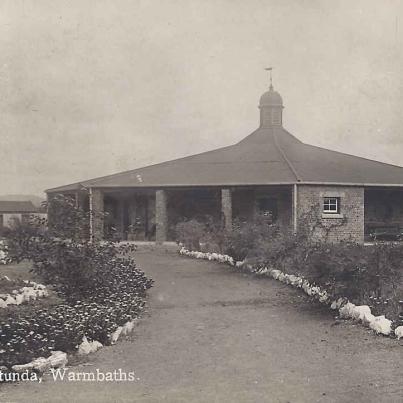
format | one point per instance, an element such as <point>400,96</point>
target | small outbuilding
<point>11,211</point>
<point>342,196</point>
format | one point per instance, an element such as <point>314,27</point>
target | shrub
<point>201,234</point>
<point>250,239</point>
<point>66,218</point>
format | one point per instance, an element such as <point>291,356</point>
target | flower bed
<point>95,309</point>
<point>379,324</point>
<point>63,327</point>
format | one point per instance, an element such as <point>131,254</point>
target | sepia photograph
<point>201,201</point>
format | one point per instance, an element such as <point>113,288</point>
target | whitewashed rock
<point>87,347</point>
<point>58,359</point>
<point>128,327</point>
<point>116,334</point>
<point>10,300</point>
<point>41,364</point>
<point>359,312</point>
<point>367,319</point>
<point>399,332</point>
<point>19,299</point>
<point>23,367</point>
<point>324,296</point>
<point>3,304</point>
<point>347,310</point>
<point>381,325</point>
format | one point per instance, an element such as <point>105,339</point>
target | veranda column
<point>295,208</point>
<point>96,214</point>
<point>120,217</point>
<point>226,207</point>
<point>161,217</point>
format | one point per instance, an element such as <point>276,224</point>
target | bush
<point>201,234</point>
<point>369,275</point>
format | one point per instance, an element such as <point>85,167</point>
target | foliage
<point>66,218</point>
<point>200,234</point>
<point>249,238</point>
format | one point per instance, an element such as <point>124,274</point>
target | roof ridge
<point>294,171</point>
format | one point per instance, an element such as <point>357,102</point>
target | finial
<point>271,79</point>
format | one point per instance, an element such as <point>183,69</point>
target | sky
<point>90,88</point>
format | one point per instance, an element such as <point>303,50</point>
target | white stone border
<point>58,359</point>
<point>347,310</point>
<point>30,292</point>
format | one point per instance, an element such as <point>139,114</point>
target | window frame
<point>328,202</point>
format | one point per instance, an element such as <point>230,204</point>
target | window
<point>331,205</point>
<point>276,117</point>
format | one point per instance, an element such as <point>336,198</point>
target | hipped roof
<point>268,156</point>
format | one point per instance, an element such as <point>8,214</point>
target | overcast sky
<point>90,88</point>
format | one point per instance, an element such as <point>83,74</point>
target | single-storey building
<point>11,211</point>
<point>344,197</point>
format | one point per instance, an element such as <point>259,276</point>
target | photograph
<point>201,201</point>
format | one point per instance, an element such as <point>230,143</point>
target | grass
<point>18,271</point>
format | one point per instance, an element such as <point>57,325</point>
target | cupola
<point>271,108</point>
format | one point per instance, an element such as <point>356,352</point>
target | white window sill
<point>332,215</point>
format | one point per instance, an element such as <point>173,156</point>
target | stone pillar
<point>226,207</point>
<point>96,214</point>
<point>161,216</point>
<point>120,217</point>
<point>294,208</point>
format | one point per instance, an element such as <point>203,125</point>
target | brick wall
<point>349,225</point>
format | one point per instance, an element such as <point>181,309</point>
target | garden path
<point>215,335</point>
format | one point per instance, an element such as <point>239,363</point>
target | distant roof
<point>267,156</point>
<point>17,207</point>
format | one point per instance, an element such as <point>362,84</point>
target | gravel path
<point>213,335</point>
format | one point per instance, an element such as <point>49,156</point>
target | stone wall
<point>348,225</point>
